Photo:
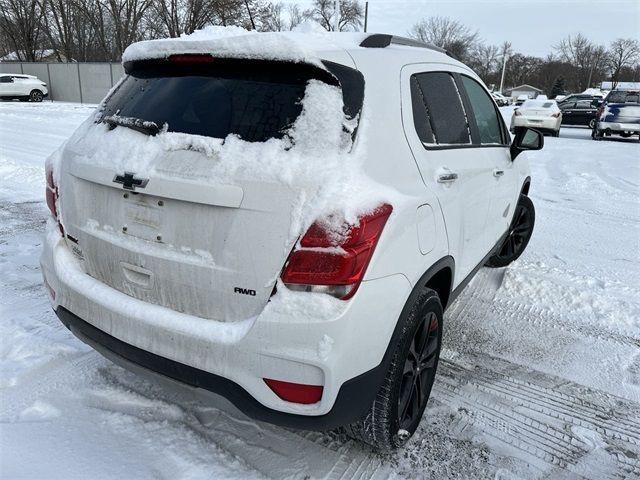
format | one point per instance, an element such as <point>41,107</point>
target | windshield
<point>256,100</point>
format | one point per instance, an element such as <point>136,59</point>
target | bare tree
<point>485,60</point>
<point>585,58</point>
<point>623,52</point>
<point>176,17</point>
<point>323,11</point>
<point>21,24</point>
<point>296,16</point>
<point>446,33</point>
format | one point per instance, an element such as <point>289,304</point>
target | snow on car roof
<point>302,45</point>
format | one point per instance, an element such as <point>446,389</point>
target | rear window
<point>256,100</point>
<point>618,96</point>
<point>537,104</point>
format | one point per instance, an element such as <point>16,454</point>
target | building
<point>528,90</point>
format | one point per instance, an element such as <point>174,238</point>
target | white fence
<point>71,82</point>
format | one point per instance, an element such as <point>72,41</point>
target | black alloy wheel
<point>397,409</point>
<point>419,373</point>
<point>518,235</point>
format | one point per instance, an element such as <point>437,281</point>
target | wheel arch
<point>439,278</point>
<point>525,187</point>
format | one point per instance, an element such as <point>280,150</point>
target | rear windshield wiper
<point>137,124</point>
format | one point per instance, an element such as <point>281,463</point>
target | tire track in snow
<point>542,421</point>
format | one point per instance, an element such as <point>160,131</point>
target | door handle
<point>498,173</point>
<point>448,177</point>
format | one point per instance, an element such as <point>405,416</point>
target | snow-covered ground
<point>540,374</point>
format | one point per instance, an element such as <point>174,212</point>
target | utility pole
<point>253,25</point>
<point>336,15</point>
<point>504,65</point>
<point>366,15</point>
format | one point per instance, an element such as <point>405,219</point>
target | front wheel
<point>36,96</point>
<point>518,236</point>
<point>398,407</point>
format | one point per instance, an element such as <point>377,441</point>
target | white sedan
<point>542,115</point>
<point>22,87</point>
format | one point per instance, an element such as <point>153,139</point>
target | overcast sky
<point>532,26</point>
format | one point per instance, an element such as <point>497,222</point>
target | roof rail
<point>383,40</point>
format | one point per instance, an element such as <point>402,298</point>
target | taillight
<point>295,392</point>
<point>334,262</point>
<point>52,197</point>
<point>555,115</point>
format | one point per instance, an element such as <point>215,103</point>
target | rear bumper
<point>545,123</point>
<point>619,127</point>
<point>301,338</point>
<point>351,403</point>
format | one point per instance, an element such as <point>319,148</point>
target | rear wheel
<point>36,96</point>
<point>518,236</point>
<point>592,123</point>
<point>398,407</point>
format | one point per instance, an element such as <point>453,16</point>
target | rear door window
<point>484,112</point>
<point>439,116</point>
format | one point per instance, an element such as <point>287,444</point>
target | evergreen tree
<point>558,87</point>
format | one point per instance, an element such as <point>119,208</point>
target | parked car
<point>521,99</point>
<point>23,87</point>
<point>581,112</point>
<point>543,115</point>
<point>618,119</point>
<point>575,97</point>
<point>192,257</point>
<point>500,99</point>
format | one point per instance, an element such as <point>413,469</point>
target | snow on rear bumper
<point>281,343</point>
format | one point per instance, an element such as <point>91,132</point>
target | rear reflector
<point>335,264</point>
<point>191,58</point>
<point>295,392</point>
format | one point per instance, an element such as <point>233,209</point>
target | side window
<point>583,104</point>
<point>484,111</point>
<point>6,79</point>
<point>438,113</point>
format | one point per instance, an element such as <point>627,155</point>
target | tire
<point>518,237</point>
<point>35,96</point>
<point>592,123</point>
<point>385,426</point>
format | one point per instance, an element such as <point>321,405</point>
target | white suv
<point>23,87</point>
<point>283,218</point>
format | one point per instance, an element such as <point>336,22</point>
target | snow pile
<point>224,42</point>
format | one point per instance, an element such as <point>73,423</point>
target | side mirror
<point>526,139</point>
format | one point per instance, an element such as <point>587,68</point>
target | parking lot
<point>540,374</point>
